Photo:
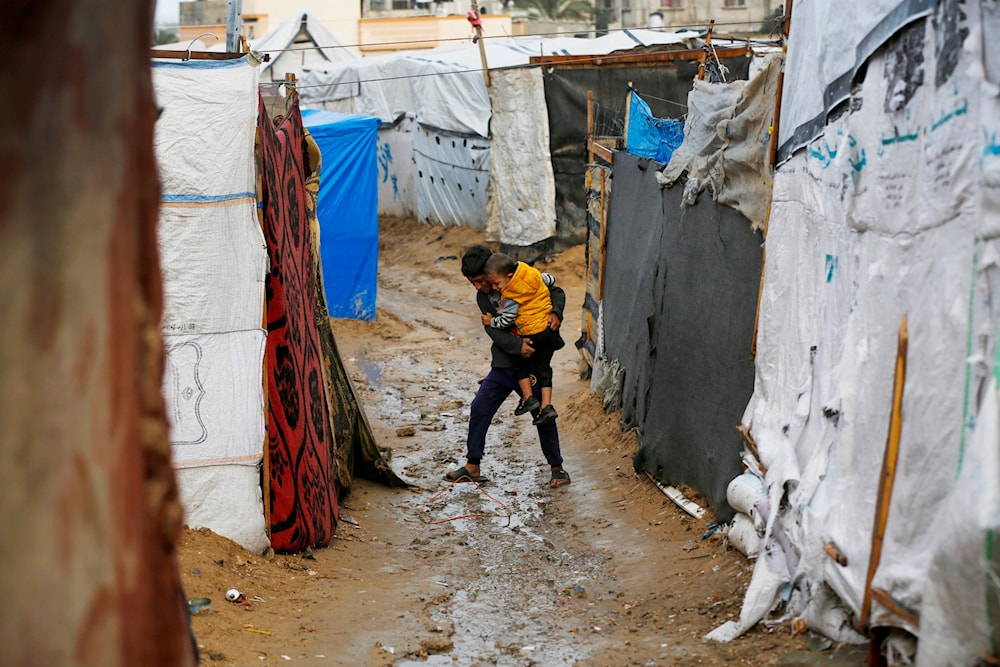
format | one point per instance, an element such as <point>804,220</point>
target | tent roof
<point>412,81</point>
<point>302,31</point>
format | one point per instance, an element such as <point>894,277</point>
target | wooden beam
<point>631,59</point>
<point>194,55</point>
<point>772,148</point>
<point>883,598</point>
<point>628,111</point>
<point>888,475</point>
<point>590,126</point>
<point>594,147</point>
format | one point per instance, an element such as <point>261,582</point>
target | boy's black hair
<point>500,264</point>
<point>474,261</point>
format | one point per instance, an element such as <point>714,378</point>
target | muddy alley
<point>604,571</point>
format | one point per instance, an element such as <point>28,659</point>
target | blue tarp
<point>649,136</point>
<point>347,210</point>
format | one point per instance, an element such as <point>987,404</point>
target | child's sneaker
<point>527,406</point>
<point>545,415</point>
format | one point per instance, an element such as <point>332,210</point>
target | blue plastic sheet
<point>347,210</point>
<point>649,136</point>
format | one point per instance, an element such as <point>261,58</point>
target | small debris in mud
<point>406,432</point>
<point>434,646</point>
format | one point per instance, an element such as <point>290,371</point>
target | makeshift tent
<point>443,93</point>
<point>887,214</point>
<point>214,263</point>
<point>347,210</point>
<point>297,44</point>
<point>566,86</point>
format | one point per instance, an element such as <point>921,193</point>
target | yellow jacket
<point>529,291</point>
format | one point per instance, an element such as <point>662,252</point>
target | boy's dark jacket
<point>505,344</point>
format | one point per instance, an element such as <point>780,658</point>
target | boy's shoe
<point>527,406</point>
<point>545,415</point>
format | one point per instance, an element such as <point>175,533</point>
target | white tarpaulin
<point>892,212</point>
<point>204,491</point>
<point>219,247</point>
<point>214,262</point>
<point>212,388</point>
<point>397,191</point>
<point>452,175</point>
<point>298,43</point>
<point>444,87</point>
<point>521,207</point>
<point>444,93</point>
<point>820,70</point>
<point>205,104</point>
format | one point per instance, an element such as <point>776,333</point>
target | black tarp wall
<point>680,300</point>
<point>664,86</point>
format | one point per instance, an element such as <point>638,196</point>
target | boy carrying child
<point>524,310</point>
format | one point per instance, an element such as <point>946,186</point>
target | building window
<point>671,4</point>
<point>735,3</point>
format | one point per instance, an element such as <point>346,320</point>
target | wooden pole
<point>628,112</point>
<point>772,152</point>
<point>477,24</point>
<point>482,55</point>
<point>704,53</point>
<point>888,475</point>
<point>772,149</point>
<point>590,127</point>
<point>604,237</point>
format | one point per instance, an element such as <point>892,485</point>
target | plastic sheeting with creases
<point>665,88</point>
<point>726,139</point>
<point>521,210</point>
<point>214,263</point>
<point>347,210</point>
<point>649,136</point>
<point>821,68</point>
<point>452,177</point>
<point>397,189</point>
<point>892,212</point>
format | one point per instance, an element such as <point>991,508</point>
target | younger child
<point>525,311</point>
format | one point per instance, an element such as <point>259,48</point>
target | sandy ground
<point>605,571</point>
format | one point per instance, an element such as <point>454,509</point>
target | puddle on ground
<point>516,605</point>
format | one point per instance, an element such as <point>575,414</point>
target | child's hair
<point>500,264</point>
<point>474,261</point>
